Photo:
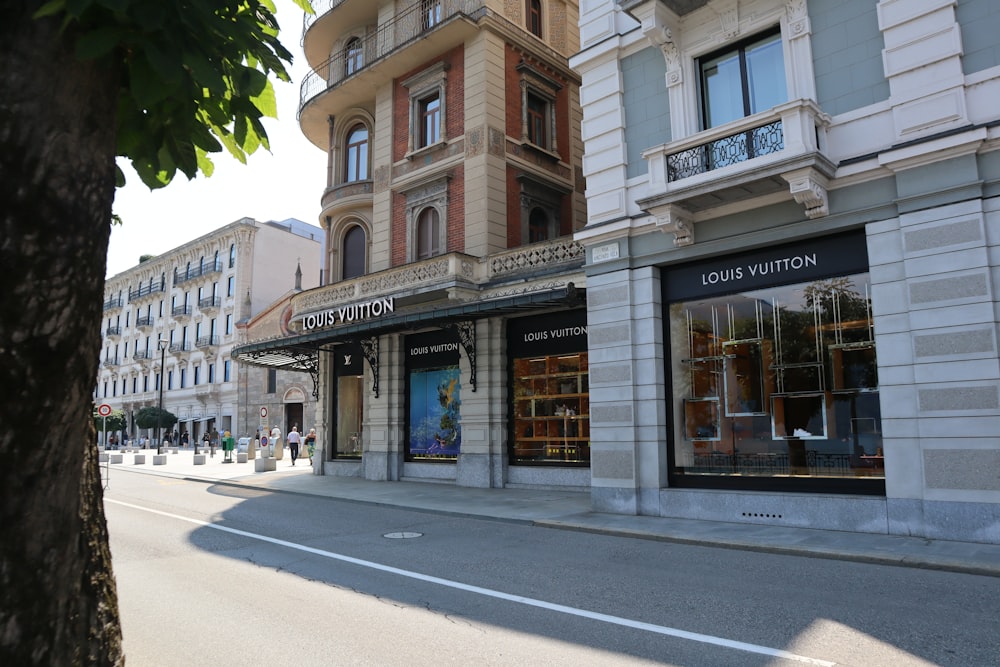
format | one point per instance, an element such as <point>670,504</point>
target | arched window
<point>428,232</point>
<point>538,226</point>
<point>354,253</point>
<point>354,57</point>
<point>356,168</point>
<point>535,17</point>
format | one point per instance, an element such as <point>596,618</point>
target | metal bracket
<point>467,337</point>
<point>369,347</point>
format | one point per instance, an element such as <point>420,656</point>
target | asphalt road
<point>219,575</point>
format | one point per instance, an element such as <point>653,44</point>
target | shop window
<point>354,58</point>
<point>435,401</point>
<point>354,252</point>
<point>551,409</point>
<point>738,82</point>
<point>349,401</point>
<point>777,382</point>
<point>356,154</point>
<point>534,12</point>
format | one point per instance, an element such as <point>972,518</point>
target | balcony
<point>142,355</point>
<point>181,277</point>
<point>453,272</point>
<point>144,291</point>
<point>143,323</point>
<point>181,312</point>
<point>110,363</point>
<point>209,303</point>
<point>115,302</point>
<point>113,333</point>
<point>414,35</point>
<point>207,341</point>
<point>345,196</point>
<point>780,150</point>
<point>179,347</point>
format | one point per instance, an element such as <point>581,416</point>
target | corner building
<point>791,262</point>
<point>449,342</point>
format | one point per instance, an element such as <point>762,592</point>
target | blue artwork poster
<point>435,402</point>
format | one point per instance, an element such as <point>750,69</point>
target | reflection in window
<point>354,253</point>
<point>356,168</point>
<point>353,56</point>
<point>430,13</point>
<point>777,382</point>
<point>428,233</point>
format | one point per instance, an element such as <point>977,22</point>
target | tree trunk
<point>57,147</point>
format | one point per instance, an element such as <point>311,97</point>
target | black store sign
<point>556,333</point>
<point>348,360</point>
<point>434,349</point>
<point>814,259</point>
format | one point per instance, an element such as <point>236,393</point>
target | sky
<point>288,182</point>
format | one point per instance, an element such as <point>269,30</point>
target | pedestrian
<point>311,444</point>
<point>206,441</point>
<point>185,440</point>
<point>293,442</point>
<point>279,452</point>
<point>214,442</point>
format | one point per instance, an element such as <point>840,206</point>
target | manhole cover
<point>402,535</point>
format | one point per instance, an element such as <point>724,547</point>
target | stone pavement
<point>571,510</point>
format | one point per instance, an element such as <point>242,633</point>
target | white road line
<point>572,611</point>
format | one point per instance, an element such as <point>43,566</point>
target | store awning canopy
<point>299,352</point>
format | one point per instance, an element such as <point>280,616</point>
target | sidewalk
<point>570,510</point>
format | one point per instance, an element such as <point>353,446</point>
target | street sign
<point>104,410</point>
<point>263,411</point>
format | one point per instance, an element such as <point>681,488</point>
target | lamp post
<point>162,344</point>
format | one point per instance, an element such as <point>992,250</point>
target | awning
<point>301,352</point>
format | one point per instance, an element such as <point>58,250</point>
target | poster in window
<point>435,412</point>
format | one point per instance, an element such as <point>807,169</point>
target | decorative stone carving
<point>808,187</point>
<point>674,220</point>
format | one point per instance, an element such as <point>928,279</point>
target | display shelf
<point>551,409</point>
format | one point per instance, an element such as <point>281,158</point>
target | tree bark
<point>57,151</point>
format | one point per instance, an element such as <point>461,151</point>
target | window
<point>428,232</point>
<point>183,377</point>
<point>534,12</point>
<point>538,226</point>
<point>197,374</point>
<point>354,58</point>
<point>105,389</point>
<point>538,107</point>
<point>354,252</point>
<point>211,373</point>
<point>427,106</point>
<point>430,13</point>
<point>229,325</point>
<point>231,286</point>
<point>170,380</point>
<point>232,257</point>
<point>356,168</point>
<point>272,381</point>
<point>156,382</point>
<point>227,368</point>
<point>145,383</point>
<point>538,114</point>
<point>430,120</point>
<point>739,82</point>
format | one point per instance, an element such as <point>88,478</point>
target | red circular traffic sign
<point>104,410</point>
<point>263,411</point>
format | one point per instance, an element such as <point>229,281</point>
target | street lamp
<point>162,344</point>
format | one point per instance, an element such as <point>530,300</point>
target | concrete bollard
<point>265,465</point>
<point>159,459</point>
<point>140,459</point>
<point>200,459</point>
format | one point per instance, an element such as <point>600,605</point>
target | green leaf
<point>97,43</point>
<point>50,8</point>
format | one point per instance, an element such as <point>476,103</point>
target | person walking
<point>311,444</point>
<point>293,442</point>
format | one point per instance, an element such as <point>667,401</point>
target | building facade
<point>193,298</point>
<point>449,343</point>
<point>791,267</point>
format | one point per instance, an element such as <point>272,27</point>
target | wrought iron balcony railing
<point>197,272</point>
<point>181,311</point>
<point>179,347</point>
<point>144,322</point>
<point>402,29</point>
<point>142,354</point>
<point>108,363</point>
<point>144,290</point>
<point>209,302</point>
<point>732,149</point>
<point>207,341</point>
<point>113,331</point>
<point>114,302</point>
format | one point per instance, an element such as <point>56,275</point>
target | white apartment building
<point>192,298</point>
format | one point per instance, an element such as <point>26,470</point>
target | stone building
<point>791,267</point>
<point>192,298</point>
